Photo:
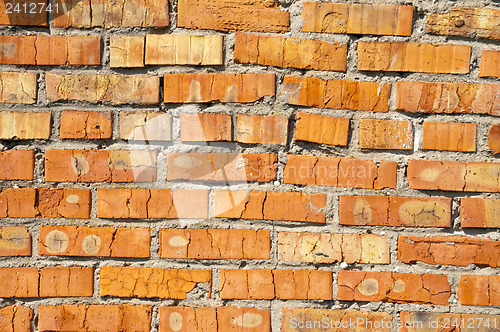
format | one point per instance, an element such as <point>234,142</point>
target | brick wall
<point>231,165</point>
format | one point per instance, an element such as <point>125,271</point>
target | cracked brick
<point>446,136</point>
<point>18,282</point>
<point>145,126</point>
<point>415,321</point>
<point>479,290</point>
<point>385,134</point>
<point>86,124</point>
<point>205,127</point>
<point>14,318</point>
<point>18,88</point>
<point>75,281</point>
<point>16,125</point>
<point>126,52</point>
<point>479,212</point>
<point>494,139</point>
<point>436,175</point>
<point>63,203</point>
<point>17,164</point>
<point>261,129</point>
<point>490,64</point>
<point>39,18</point>
<point>321,129</point>
<point>15,241</point>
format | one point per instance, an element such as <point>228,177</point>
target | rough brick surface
<point>415,321</point>
<point>480,212</point>
<point>18,88</point>
<point>385,134</point>
<point>15,241</point>
<point>205,127</point>
<point>126,52</point>
<point>449,136</point>
<point>146,126</point>
<point>22,17</point>
<point>479,290</point>
<point>16,318</point>
<point>86,124</point>
<point>321,129</point>
<point>263,129</point>
<point>24,125</point>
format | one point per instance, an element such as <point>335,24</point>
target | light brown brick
<point>479,212</point>
<point>261,129</point>
<point>18,88</point>
<point>17,165</point>
<point>22,17</point>
<point>447,136</point>
<point>18,282</point>
<point>15,318</point>
<point>15,241</point>
<point>66,281</point>
<point>494,138</point>
<point>385,134</point>
<point>126,51</point>
<point>86,124</point>
<point>479,290</point>
<point>490,64</point>
<point>322,129</point>
<point>436,175</point>
<point>145,126</point>
<point>205,127</point>
<point>24,125</point>
<point>482,177</point>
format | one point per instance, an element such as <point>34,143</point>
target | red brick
<point>337,94</point>
<point>94,241</point>
<point>149,282</point>
<point>94,88</point>
<point>16,319</point>
<point>218,167</point>
<point>261,129</point>
<point>215,243</point>
<point>385,134</point>
<point>18,88</point>
<point>64,203</point>
<point>446,136</point>
<point>436,175</point>
<point>86,124</point>
<point>15,241</point>
<point>270,205</point>
<point>494,139</point>
<point>357,18</point>
<point>479,290</point>
<point>152,203</point>
<point>126,51</point>
<point>40,18</point>
<point>290,52</point>
<point>227,88</point>
<point>233,15</point>
<point>145,126</point>
<point>66,281</point>
<point>479,212</point>
<point>490,64</point>
<point>279,284</point>
<point>393,287</point>
<point>18,282</point>
<point>100,166</point>
<point>205,127</point>
<point>425,97</point>
<point>416,321</point>
<point>321,129</point>
<point>24,125</point>
<point>17,165</point>
<point>95,317</point>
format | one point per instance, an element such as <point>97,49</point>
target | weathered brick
<point>337,94</point>
<point>290,52</point>
<point>437,175</point>
<point>233,15</point>
<point>50,50</point>
<point>112,14</point>
<point>467,22</point>
<point>145,126</point>
<point>15,241</point>
<point>40,18</point>
<point>18,88</point>
<point>86,124</point>
<point>63,202</point>
<point>18,203</point>
<point>17,164</point>
<point>407,57</point>
<point>270,205</point>
<point>430,97</point>
<point>218,167</point>
<point>215,243</point>
<point>494,138</point>
<point>100,166</point>
<point>482,177</point>
<point>15,318</point>
<point>479,290</point>
<point>205,127</point>
<point>126,51</point>
<point>357,18</point>
<point>321,129</point>
<point>480,212</point>
<point>279,284</point>
<point>393,287</point>
<point>490,64</point>
<point>333,247</point>
<point>152,203</point>
<point>24,125</point>
<point>66,281</point>
<point>395,211</point>
<point>94,88</point>
<point>449,250</point>
<point>385,134</point>
<point>94,241</point>
<point>447,136</point>
<point>227,88</point>
<point>95,317</point>
<point>18,282</point>
<point>417,321</point>
<point>261,129</point>
<point>184,50</point>
<point>149,282</point>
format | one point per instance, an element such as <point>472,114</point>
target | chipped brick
<point>385,134</point>
<point>86,124</point>
<point>145,126</point>
<point>66,281</point>
<point>321,129</point>
<point>446,136</point>
<point>15,241</point>
<point>479,212</point>
<point>205,127</point>
<point>24,125</point>
<point>261,129</point>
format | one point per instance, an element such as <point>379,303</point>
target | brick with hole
<point>322,129</point>
<point>415,321</point>
<point>385,134</point>
<point>490,64</point>
<point>14,318</point>
<point>75,281</point>
<point>18,16</point>
<point>18,88</point>
<point>479,212</point>
<point>15,125</point>
<point>261,129</point>
<point>86,124</point>
<point>19,282</point>
<point>479,290</point>
<point>145,126</point>
<point>17,165</point>
<point>126,52</point>
<point>494,138</point>
<point>15,241</point>
<point>446,136</point>
<point>205,127</point>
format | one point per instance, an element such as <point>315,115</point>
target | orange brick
<point>233,15</point>
<point>24,125</point>
<point>479,290</point>
<point>100,166</point>
<point>126,51</point>
<point>152,203</point>
<point>465,21</point>
<point>94,241</point>
<point>425,97</point>
<point>270,205</point>
<point>66,281</point>
<point>321,129</point>
<point>279,284</point>
<point>337,94</point>
<point>393,287</point>
<point>436,175</point>
<point>18,203</point>
<point>385,134</point>
<point>86,124</point>
<point>407,57</point>
<point>18,282</point>
<point>479,212</point>
<point>445,136</point>
<point>95,317</point>
<point>17,165</point>
<point>205,127</point>
<point>149,282</point>
<point>215,243</point>
<point>395,211</point>
<point>63,202</point>
<point>40,18</point>
<point>145,126</point>
<point>449,250</point>
<point>261,129</point>
<point>482,177</point>
<point>16,318</point>
<point>233,167</point>
<point>490,64</point>
<point>494,138</point>
<point>290,52</point>
<point>18,88</point>
<point>357,18</point>
<point>94,88</point>
<point>227,88</point>
<point>411,321</point>
<point>333,247</point>
<point>15,241</point>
